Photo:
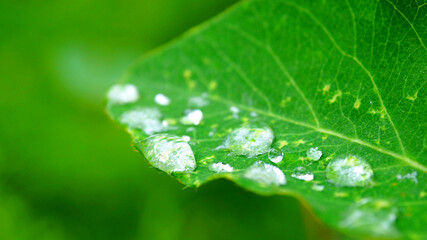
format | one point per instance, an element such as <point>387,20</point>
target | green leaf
<point>346,77</point>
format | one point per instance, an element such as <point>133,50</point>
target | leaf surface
<point>346,77</point>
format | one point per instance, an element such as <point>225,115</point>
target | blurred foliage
<point>66,171</point>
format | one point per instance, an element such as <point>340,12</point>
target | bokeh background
<point>67,172</point>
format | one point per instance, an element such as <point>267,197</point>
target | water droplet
<point>306,162</point>
<point>302,173</point>
<point>146,119</point>
<point>314,154</point>
<point>190,129</point>
<point>162,99</point>
<point>317,187</point>
<point>371,217</point>
<point>235,111</point>
<point>265,174</point>
<point>221,167</point>
<point>168,153</point>
<point>192,117</point>
<point>248,141</point>
<point>199,101</point>
<point>122,94</point>
<point>275,155</point>
<point>410,176</point>
<point>351,171</point>
<point>186,138</point>
<point>254,114</point>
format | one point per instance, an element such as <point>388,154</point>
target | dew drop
<point>248,141</point>
<point>199,101</point>
<point>221,167</point>
<point>412,176</point>
<point>254,114</point>
<point>302,173</point>
<point>146,119</point>
<point>373,217</point>
<point>122,94</point>
<point>351,171</point>
<point>235,111</point>
<point>264,173</point>
<point>192,117</point>
<point>168,153</point>
<point>162,99</point>
<point>314,154</point>
<point>275,155</point>
<point>317,187</point>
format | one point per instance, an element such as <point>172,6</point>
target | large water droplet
<point>235,111</point>
<point>192,117</point>
<point>122,94</point>
<point>248,141</point>
<point>275,155</point>
<point>146,119</point>
<point>373,217</point>
<point>168,153</point>
<point>221,167</point>
<point>265,174</point>
<point>351,171</point>
<point>314,153</point>
<point>302,173</point>
<point>162,99</point>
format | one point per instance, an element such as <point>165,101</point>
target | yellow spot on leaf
<point>187,73</point>
<point>212,85</point>
<point>245,119</point>
<point>324,137</point>
<point>340,194</point>
<point>336,95</point>
<point>326,89</point>
<point>214,125</point>
<point>283,143</point>
<point>423,194</point>
<point>299,142</point>
<point>284,101</point>
<point>357,104</point>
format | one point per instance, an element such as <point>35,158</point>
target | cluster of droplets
<point>173,154</point>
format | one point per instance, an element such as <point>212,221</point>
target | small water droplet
<point>221,167</point>
<point>162,99</point>
<point>275,155</point>
<point>254,114</point>
<point>307,162</point>
<point>314,154</point>
<point>190,129</point>
<point>146,119</point>
<point>248,141</point>
<point>235,111</point>
<point>351,171</point>
<point>199,101</point>
<point>412,176</point>
<point>317,187</point>
<point>168,153</point>
<point>264,173</point>
<point>302,173</point>
<point>192,117</point>
<point>122,94</point>
<point>373,217</point>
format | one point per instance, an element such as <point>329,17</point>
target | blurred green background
<point>66,171</point>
